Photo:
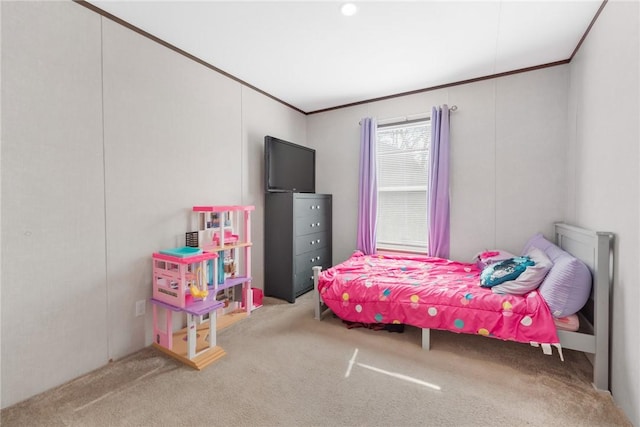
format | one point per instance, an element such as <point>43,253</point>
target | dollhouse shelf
<point>223,208</point>
<point>204,256</point>
<point>231,282</point>
<point>212,248</point>
<point>197,308</point>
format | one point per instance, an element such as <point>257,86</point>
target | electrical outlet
<point>140,307</point>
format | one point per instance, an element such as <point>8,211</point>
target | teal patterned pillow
<point>503,271</point>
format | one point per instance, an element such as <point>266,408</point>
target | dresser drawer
<point>311,225</point>
<point>307,260</point>
<point>311,206</point>
<point>302,284</point>
<point>303,278</point>
<point>311,242</point>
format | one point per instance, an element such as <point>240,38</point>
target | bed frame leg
<point>426,339</point>
<point>602,283</point>
<point>317,302</point>
<point>601,373</point>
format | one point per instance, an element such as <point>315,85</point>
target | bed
<point>433,293</point>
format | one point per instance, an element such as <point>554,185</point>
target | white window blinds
<point>403,175</point>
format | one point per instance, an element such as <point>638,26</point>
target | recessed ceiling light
<point>349,9</point>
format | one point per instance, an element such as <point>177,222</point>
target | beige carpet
<point>283,368</point>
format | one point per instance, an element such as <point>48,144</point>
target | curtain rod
<point>410,118</point>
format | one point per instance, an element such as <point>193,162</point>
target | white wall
<point>604,173</point>
<point>54,305</point>
<point>108,140</point>
<point>508,149</point>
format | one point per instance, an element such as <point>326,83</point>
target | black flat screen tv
<point>289,167</point>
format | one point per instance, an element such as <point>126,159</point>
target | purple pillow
<point>536,241</point>
<point>567,286</point>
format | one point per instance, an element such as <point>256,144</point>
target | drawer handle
<point>318,241</point>
<point>313,207</point>
<point>317,224</point>
<point>312,242</point>
<point>318,207</point>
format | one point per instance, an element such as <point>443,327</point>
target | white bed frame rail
<point>595,249</point>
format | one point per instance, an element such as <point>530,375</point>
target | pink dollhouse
<point>208,282</point>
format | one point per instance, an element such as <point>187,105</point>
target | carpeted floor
<point>282,368</point>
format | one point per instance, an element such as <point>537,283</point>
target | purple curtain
<point>368,187</point>
<point>438,218</point>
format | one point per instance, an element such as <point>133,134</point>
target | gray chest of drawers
<point>297,236</point>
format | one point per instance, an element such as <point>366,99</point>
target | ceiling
<point>310,56</point>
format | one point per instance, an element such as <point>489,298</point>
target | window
<point>403,182</point>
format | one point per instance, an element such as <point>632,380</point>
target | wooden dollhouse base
<point>179,351</point>
<point>207,357</point>
<point>199,362</point>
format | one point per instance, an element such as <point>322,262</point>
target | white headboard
<point>596,250</point>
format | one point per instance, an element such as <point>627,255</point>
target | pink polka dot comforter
<point>432,293</point>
